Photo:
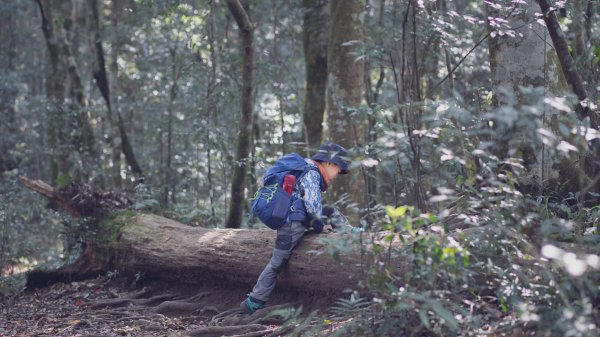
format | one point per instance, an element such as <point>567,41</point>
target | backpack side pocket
<point>271,205</point>
<point>281,207</point>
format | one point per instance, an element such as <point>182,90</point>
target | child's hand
<point>327,229</point>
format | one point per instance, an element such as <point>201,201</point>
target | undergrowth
<point>499,249</point>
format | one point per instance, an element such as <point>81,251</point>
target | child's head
<point>333,158</point>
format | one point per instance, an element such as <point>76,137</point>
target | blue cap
<point>333,153</point>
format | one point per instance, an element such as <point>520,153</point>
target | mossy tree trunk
<point>345,88</point>
<point>159,249</point>
<point>162,249</point>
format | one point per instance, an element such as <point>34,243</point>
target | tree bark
<point>521,61</point>
<point>173,91</point>
<point>55,91</point>
<point>527,60</point>
<point>64,81</point>
<point>165,249</point>
<point>85,140</point>
<point>210,108</point>
<point>246,32</point>
<point>315,39</point>
<point>345,87</point>
<point>161,249</point>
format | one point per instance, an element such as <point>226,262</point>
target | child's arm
<point>311,186</point>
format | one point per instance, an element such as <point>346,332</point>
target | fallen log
<point>168,250</point>
<point>158,248</point>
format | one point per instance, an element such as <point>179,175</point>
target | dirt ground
<point>107,306</point>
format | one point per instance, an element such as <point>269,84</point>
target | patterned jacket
<point>308,207</point>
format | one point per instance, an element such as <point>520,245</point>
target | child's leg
<point>288,237</point>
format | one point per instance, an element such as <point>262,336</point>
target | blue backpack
<point>271,203</point>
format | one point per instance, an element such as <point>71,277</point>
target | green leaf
<point>449,319</point>
<point>63,180</point>
<point>503,305</point>
<point>424,318</point>
<point>397,212</point>
<point>403,306</point>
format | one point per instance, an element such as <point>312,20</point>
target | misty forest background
<point>458,114</point>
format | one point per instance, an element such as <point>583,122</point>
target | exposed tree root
<point>232,322</point>
<point>88,265</point>
<point>178,308</point>
<point>235,322</point>
<point>90,308</point>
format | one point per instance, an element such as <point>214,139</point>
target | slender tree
<point>584,108</point>
<point>315,41</point>
<point>566,62</point>
<point>210,105</point>
<point>102,82</point>
<point>246,33</point>
<point>107,84</point>
<point>173,92</point>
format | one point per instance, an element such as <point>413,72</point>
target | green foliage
<point>491,252</point>
<point>21,246</point>
<point>300,325</point>
<point>10,287</point>
<point>144,198</point>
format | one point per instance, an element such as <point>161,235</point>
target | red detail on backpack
<point>288,183</point>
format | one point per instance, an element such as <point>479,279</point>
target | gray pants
<point>288,237</point>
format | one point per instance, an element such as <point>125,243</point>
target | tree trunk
<point>126,146</point>
<point>158,248</point>
<point>65,82</point>
<point>527,60</point>
<point>345,87</point>
<point>372,93</point>
<point>574,79</point>
<point>174,89</point>
<point>101,79</point>
<point>55,91</point>
<point>315,39</point>
<point>84,142</point>
<point>210,107</point>
<point>246,32</point>
<point>163,248</point>
<point>522,61</point>
<point>567,63</point>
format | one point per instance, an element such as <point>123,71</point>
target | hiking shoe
<point>251,304</point>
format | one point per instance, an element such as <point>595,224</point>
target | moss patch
<point>109,229</point>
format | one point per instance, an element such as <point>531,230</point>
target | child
<point>307,211</point>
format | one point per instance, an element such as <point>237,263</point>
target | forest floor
<point>106,306</point>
